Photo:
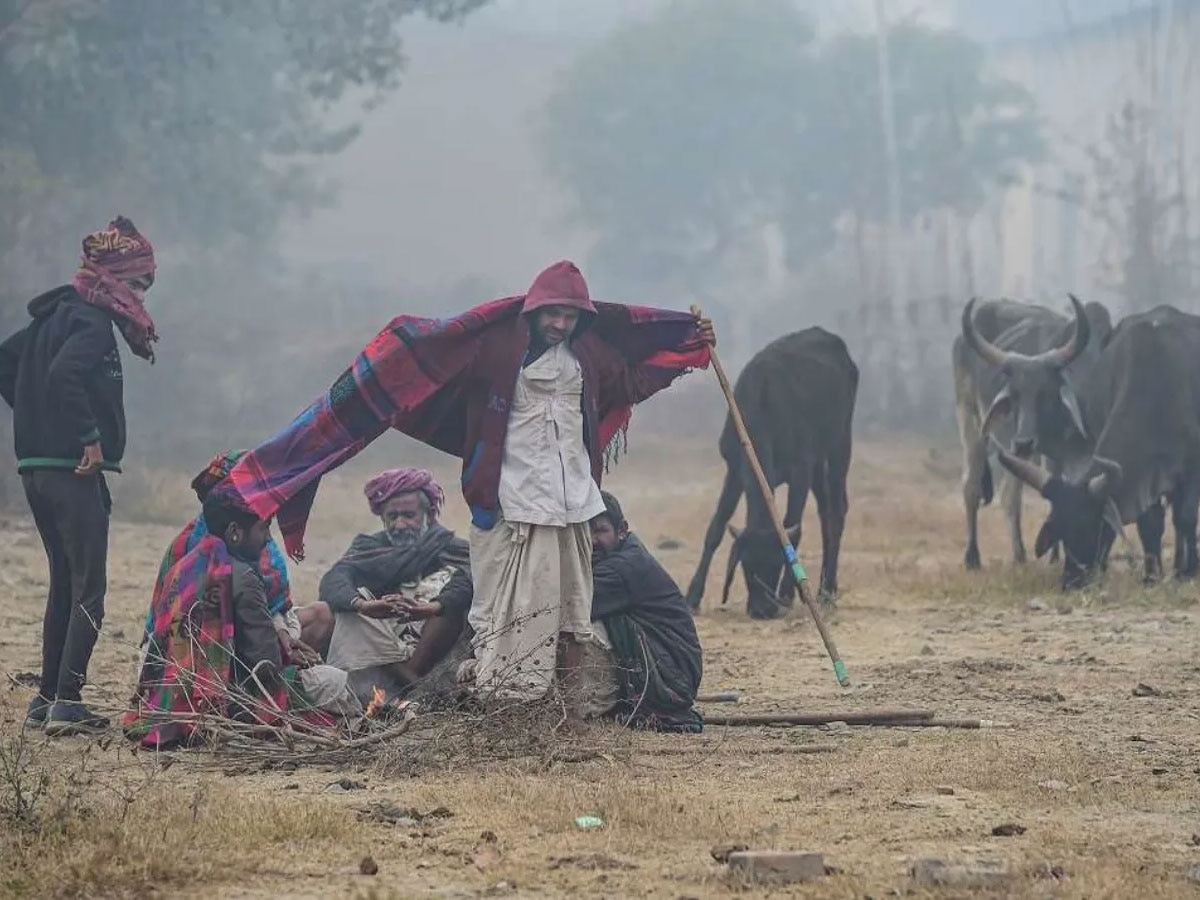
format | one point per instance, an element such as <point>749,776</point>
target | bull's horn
<point>1030,473</point>
<point>1066,354</point>
<point>981,345</point>
<point>1109,477</point>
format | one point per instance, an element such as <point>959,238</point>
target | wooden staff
<point>789,552</point>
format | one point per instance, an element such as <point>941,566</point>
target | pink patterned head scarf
<point>386,485</point>
<point>112,258</point>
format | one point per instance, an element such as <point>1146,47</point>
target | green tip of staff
<point>843,677</point>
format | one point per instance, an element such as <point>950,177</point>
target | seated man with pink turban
<point>399,596</point>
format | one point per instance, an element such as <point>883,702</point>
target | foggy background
<point>309,170</point>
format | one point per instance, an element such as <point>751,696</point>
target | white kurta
<point>532,571</point>
<point>546,474</point>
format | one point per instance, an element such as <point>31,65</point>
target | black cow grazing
<point>1014,365</point>
<point>1141,410</point>
<point>797,398</point>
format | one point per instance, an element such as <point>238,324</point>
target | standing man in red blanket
<point>531,392</point>
<point>531,549</point>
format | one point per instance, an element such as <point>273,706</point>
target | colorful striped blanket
<point>437,379</point>
<point>272,568</point>
<point>188,674</point>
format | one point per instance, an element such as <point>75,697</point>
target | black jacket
<point>61,375</point>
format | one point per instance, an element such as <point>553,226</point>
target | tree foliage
<point>680,133</point>
<point>199,117</point>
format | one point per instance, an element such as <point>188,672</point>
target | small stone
<point>778,866</point>
<point>945,790</point>
<point>1158,770</point>
<point>1049,697</point>
<point>722,852</point>
<point>1037,604</point>
<point>1193,874</point>
<point>1146,690</point>
<point>935,873</point>
<point>927,650</point>
<point>668,543</point>
<point>368,866</point>
<point>1053,785</point>
<point>1196,840</point>
<point>1064,609</point>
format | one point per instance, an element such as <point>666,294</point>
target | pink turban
<point>386,485</point>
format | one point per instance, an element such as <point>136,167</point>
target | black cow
<point>797,398</point>
<point>1014,364</point>
<point>1141,412</point>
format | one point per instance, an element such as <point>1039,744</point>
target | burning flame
<point>378,700</point>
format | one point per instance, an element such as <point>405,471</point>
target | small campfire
<point>381,707</point>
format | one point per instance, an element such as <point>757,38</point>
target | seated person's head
<point>243,532</point>
<point>609,528</point>
<point>215,473</point>
<point>407,501</point>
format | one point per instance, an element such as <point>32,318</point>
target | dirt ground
<point>1102,775</point>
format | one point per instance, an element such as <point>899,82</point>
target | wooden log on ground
<point>856,717</point>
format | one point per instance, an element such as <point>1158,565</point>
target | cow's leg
<point>1055,469</point>
<point>975,469</point>
<point>1011,498</point>
<point>1150,525</point>
<point>731,492</point>
<point>1185,506</point>
<point>833,503</point>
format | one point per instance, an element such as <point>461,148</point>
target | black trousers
<point>71,513</point>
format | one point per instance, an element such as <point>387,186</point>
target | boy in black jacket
<point>61,375</point>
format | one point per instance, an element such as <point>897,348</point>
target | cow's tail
<point>987,488</point>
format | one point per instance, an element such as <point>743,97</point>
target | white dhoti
<point>327,687</point>
<point>532,582</point>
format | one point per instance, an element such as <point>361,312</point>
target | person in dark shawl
<point>214,650</point>
<point>454,383</point>
<point>399,596</point>
<point>648,625</point>
<point>62,376</point>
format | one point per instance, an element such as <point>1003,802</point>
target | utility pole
<point>894,251</point>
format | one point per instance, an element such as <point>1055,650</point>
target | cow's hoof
<point>828,598</point>
<point>971,560</point>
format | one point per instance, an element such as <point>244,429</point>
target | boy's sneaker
<point>35,715</point>
<point>68,717</point>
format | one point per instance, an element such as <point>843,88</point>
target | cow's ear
<point>1046,539</point>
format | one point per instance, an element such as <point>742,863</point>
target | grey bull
<point>1140,406</point>
<point>1014,365</point>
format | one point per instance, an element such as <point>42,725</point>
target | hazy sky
<point>445,182</point>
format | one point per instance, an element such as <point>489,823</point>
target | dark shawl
<point>375,563</point>
<point>653,636</point>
